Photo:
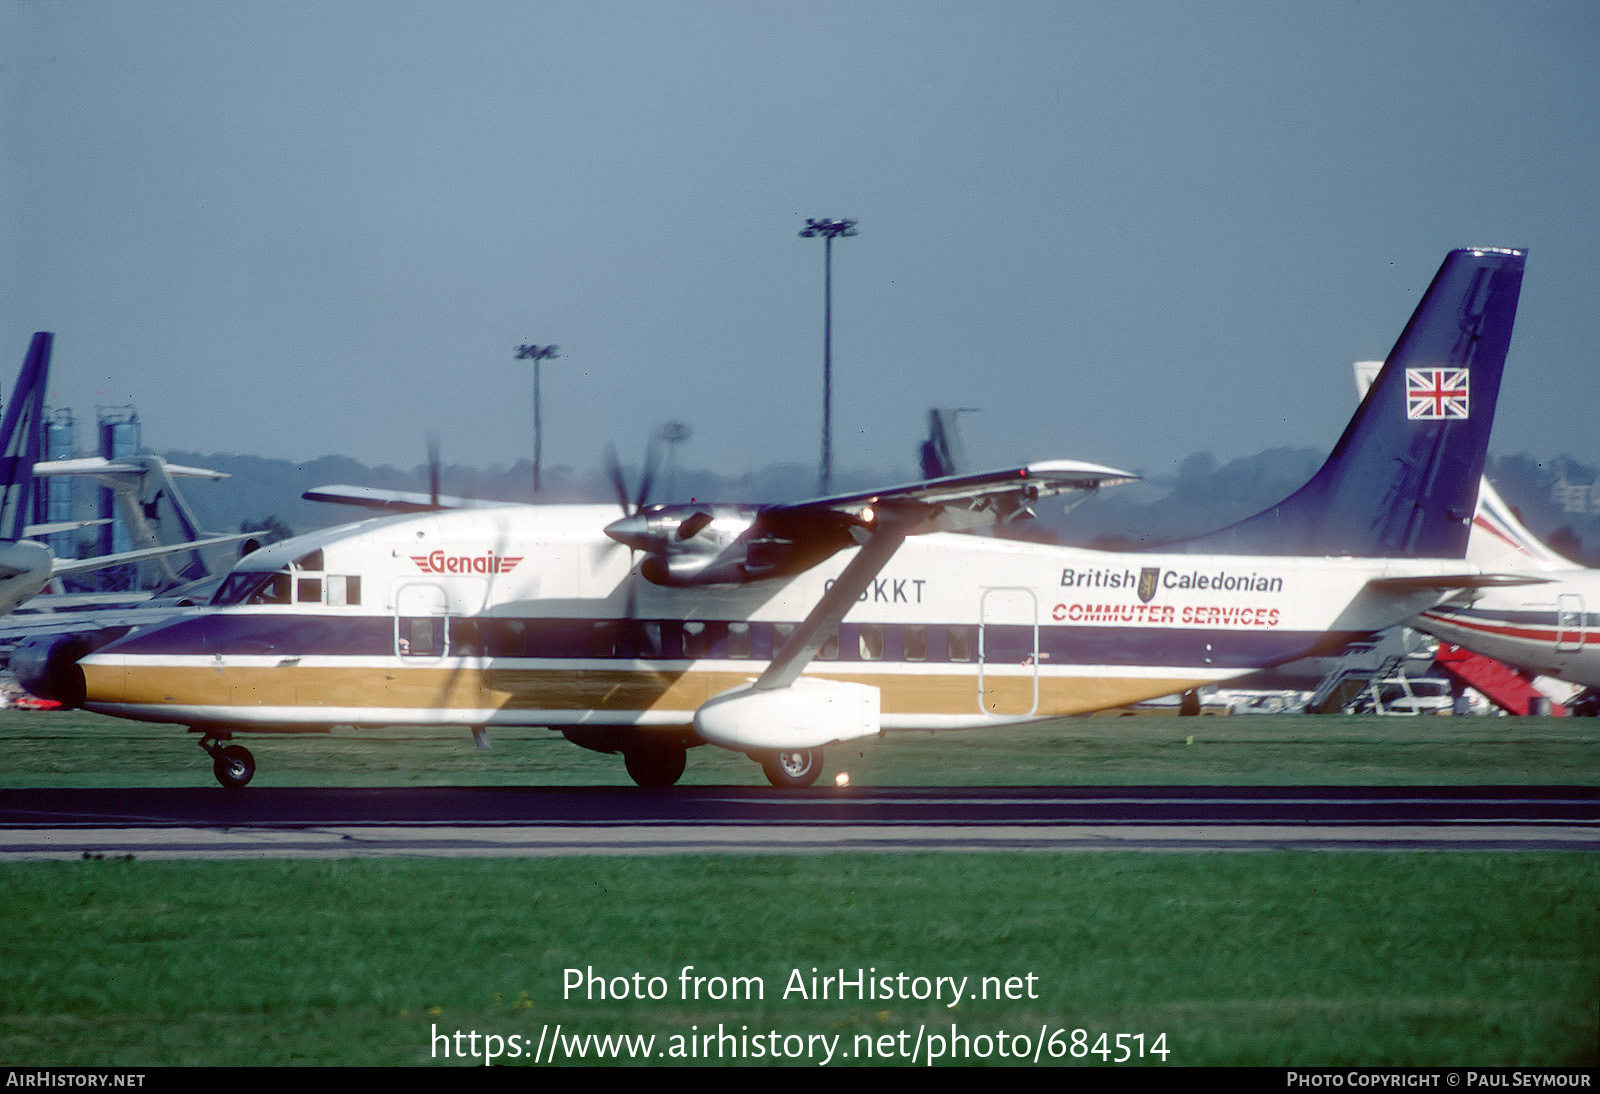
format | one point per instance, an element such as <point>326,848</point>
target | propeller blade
<point>614,469</point>
<point>651,462</point>
<point>433,471</point>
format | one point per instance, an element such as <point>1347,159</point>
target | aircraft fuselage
<point>1551,629</point>
<point>532,616</point>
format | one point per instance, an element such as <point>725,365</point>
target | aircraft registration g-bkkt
<point>778,631</point>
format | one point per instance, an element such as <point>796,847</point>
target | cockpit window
<point>275,591</point>
<point>253,587</point>
<point>236,586</point>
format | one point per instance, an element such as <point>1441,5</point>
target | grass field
<point>1257,959</point>
<point>1333,958</point>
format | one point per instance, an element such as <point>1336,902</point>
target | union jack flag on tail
<point>1436,393</point>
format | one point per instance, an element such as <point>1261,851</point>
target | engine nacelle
<point>726,544</point>
<point>47,665</point>
<point>806,714</point>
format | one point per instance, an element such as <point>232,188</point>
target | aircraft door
<point>1569,622</point>
<point>421,622</point>
<point>1008,652</point>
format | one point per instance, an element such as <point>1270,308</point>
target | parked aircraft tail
<point>1403,480</point>
<point>153,511</point>
<point>22,438</point>
<point>943,454</point>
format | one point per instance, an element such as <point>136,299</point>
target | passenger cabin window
<point>695,640</point>
<point>422,614</point>
<point>738,640</point>
<point>961,643</point>
<point>916,643</point>
<point>871,642</point>
<point>422,637</point>
<point>466,638</point>
<point>505,637</point>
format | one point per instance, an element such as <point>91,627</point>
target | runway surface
<point>288,822</point>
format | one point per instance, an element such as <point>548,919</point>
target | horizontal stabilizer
<point>99,465</point>
<point>1455,581</point>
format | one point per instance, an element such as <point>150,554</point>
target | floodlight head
<point>829,229</point>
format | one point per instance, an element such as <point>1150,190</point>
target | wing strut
<point>823,621</point>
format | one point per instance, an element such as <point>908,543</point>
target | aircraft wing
<point>389,501</point>
<point>698,544</point>
<point>959,503</point>
<point>881,521</point>
<point>61,567</point>
<point>34,531</point>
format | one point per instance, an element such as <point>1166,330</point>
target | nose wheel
<point>233,765</point>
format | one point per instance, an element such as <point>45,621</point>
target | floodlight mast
<point>828,230</point>
<point>536,354</point>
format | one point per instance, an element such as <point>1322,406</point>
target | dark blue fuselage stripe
<point>290,635</point>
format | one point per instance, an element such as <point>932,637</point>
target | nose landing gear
<point>233,765</point>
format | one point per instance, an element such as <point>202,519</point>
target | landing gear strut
<point>233,765</point>
<point>792,769</point>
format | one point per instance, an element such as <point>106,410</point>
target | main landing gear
<point>233,765</point>
<point>792,769</point>
<point>661,765</point>
<point>655,765</point>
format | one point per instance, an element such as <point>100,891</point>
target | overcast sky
<point>1126,231</point>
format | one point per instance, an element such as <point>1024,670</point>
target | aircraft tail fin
<point>1499,538</point>
<point>1403,480</point>
<point>943,454</point>
<point>22,438</point>
<point>154,513</point>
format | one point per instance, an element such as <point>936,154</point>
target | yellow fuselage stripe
<point>621,690</point>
